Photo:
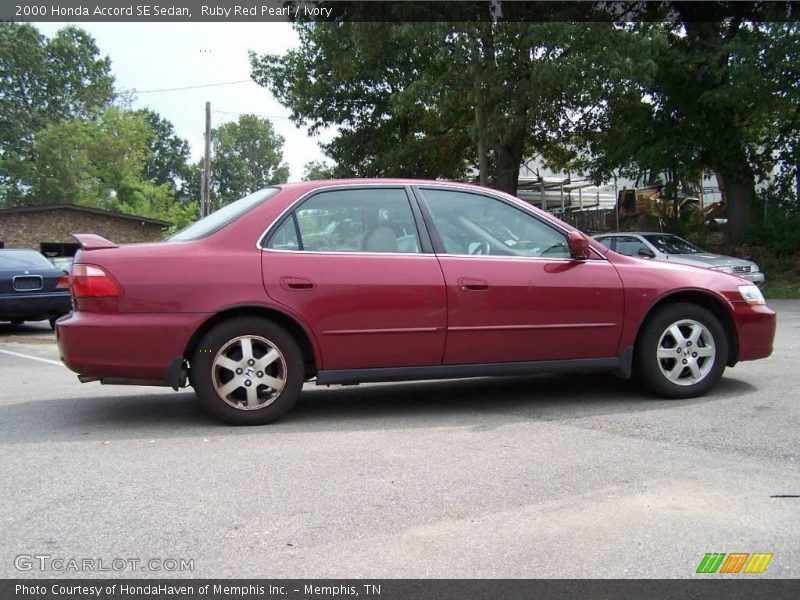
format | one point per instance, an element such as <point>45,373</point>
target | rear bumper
<point>34,306</point>
<point>756,329</point>
<point>130,345</point>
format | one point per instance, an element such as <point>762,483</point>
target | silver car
<point>665,246</point>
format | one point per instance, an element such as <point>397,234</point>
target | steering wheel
<point>553,247</point>
<point>480,248</point>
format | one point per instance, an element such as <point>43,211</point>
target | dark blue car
<point>31,288</point>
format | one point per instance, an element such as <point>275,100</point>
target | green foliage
<point>669,100</point>
<point>61,142</point>
<point>247,156</point>
<point>316,170</point>
<point>43,81</point>
<point>435,99</point>
<point>713,97</point>
<point>90,161</point>
<point>371,81</point>
<point>101,163</point>
<point>168,160</point>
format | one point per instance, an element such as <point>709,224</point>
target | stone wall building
<point>49,229</point>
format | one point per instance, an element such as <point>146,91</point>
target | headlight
<point>751,294</point>
<point>724,270</point>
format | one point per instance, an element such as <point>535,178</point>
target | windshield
<point>23,259</point>
<point>672,244</point>
<point>225,215</point>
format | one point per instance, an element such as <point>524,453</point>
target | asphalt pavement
<point>549,476</point>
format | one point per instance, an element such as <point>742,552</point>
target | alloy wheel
<point>686,352</point>
<point>249,372</point>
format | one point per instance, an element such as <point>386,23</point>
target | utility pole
<point>205,202</point>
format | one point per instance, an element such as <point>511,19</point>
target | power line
<point>238,114</point>
<point>187,87</point>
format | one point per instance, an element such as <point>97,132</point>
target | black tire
<point>52,321</point>
<point>221,388</point>
<point>696,367</point>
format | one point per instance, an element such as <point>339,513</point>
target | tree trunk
<point>508,158</point>
<point>740,196</point>
<point>480,118</point>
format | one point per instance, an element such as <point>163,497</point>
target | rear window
<point>23,259</point>
<point>224,216</point>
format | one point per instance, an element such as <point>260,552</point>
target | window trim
<point>426,248</point>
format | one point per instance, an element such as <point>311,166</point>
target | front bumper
<point>129,345</point>
<point>757,277</point>
<point>756,330</point>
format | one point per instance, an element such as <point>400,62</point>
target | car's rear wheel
<point>681,352</point>
<point>247,371</point>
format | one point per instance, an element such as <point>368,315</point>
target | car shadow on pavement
<point>39,331</point>
<point>484,402</point>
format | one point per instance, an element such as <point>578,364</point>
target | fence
<point>590,220</point>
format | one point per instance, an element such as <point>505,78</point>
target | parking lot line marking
<point>44,360</point>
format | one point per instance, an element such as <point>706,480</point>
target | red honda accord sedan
<point>388,280</point>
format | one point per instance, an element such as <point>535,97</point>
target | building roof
<point>86,209</point>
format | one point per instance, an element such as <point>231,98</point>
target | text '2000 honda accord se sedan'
<point>389,280</point>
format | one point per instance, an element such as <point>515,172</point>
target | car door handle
<point>472,285</point>
<point>296,283</point>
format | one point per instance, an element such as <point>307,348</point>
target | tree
<point>367,80</point>
<point>247,156</point>
<point>101,163</point>
<point>168,162</point>
<point>682,95</point>
<point>718,97</point>
<point>44,82</point>
<point>90,161</point>
<point>315,170</point>
<point>405,105</point>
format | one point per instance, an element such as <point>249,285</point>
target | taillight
<point>63,282</point>
<point>89,281</point>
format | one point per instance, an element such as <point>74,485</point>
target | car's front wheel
<point>247,371</point>
<point>682,351</point>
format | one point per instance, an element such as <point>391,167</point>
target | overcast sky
<point>153,56</point>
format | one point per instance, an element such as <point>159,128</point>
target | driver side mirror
<point>646,252</point>
<point>578,245</point>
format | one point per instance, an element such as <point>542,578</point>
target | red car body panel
<point>362,310</point>
<point>516,309</point>
<point>367,310</point>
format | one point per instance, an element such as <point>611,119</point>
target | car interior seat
<point>379,239</point>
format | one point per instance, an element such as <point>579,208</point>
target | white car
<point>665,246</point>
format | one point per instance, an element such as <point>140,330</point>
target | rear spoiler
<point>90,241</point>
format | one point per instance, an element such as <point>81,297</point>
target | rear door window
<point>354,220</point>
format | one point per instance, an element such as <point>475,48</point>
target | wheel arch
<point>308,349</point>
<point>712,303</point>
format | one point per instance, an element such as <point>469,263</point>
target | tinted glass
<point>606,240</point>
<point>225,215</point>
<point>23,259</point>
<point>629,245</point>
<point>285,238</point>
<point>672,244</point>
<point>364,220</point>
<point>479,225</point>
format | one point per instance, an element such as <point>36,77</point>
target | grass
<point>783,289</point>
